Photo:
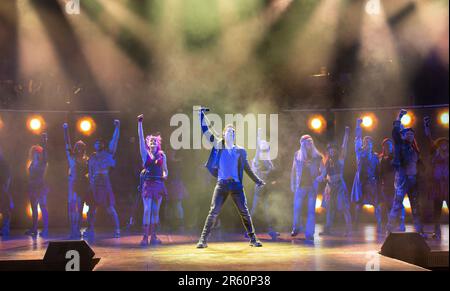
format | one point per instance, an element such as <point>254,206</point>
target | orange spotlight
<point>35,124</point>
<point>407,119</point>
<point>319,208</point>
<point>1,123</point>
<point>407,205</point>
<point>30,212</point>
<point>317,123</point>
<point>86,125</point>
<point>369,208</point>
<point>443,118</point>
<point>85,211</point>
<point>369,121</point>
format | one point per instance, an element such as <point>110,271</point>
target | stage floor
<point>232,253</point>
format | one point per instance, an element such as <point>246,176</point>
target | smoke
<point>162,57</point>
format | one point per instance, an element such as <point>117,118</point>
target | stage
<point>231,253</point>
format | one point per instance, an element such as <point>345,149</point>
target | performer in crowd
<point>177,191</point>
<point>305,170</point>
<point>365,184</point>
<point>37,186</point>
<point>6,202</point>
<point>227,162</point>
<point>407,166</point>
<point>78,181</point>
<point>336,196</point>
<point>263,167</point>
<point>387,180</point>
<point>153,189</point>
<point>439,176</point>
<point>102,194</point>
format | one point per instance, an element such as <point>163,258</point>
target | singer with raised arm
<point>227,162</point>
<point>153,189</point>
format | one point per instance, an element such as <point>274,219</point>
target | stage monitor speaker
<point>409,247</point>
<point>60,256</point>
<point>68,255</point>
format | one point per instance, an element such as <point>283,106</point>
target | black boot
<point>154,240</point>
<point>254,242</point>
<point>202,244</point>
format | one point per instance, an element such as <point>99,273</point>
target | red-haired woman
<point>37,187</point>
<point>153,189</point>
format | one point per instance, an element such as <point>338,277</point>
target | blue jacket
<point>403,151</point>
<point>214,157</point>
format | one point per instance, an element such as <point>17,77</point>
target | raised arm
<point>427,127</point>
<point>358,138</point>
<point>115,139</point>
<point>44,139</point>
<point>207,129</point>
<point>344,146</point>
<point>396,135</point>
<point>67,140</point>
<point>142,146</point>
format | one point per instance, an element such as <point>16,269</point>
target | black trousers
<point>221,193</point>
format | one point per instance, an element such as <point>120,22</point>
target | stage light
<point>367,121</point>
<point>443,118</point>
<point>407,204</point>
<point>407,119</point>
<point>85,211</point>
<point>369,208</point>
<point>30,212</point>
<point>86,125</point>
<point>1,123</point>
<point>317,123</point>
<point>35,124</point>
<point>319,204</point>
<point>373,7</point>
